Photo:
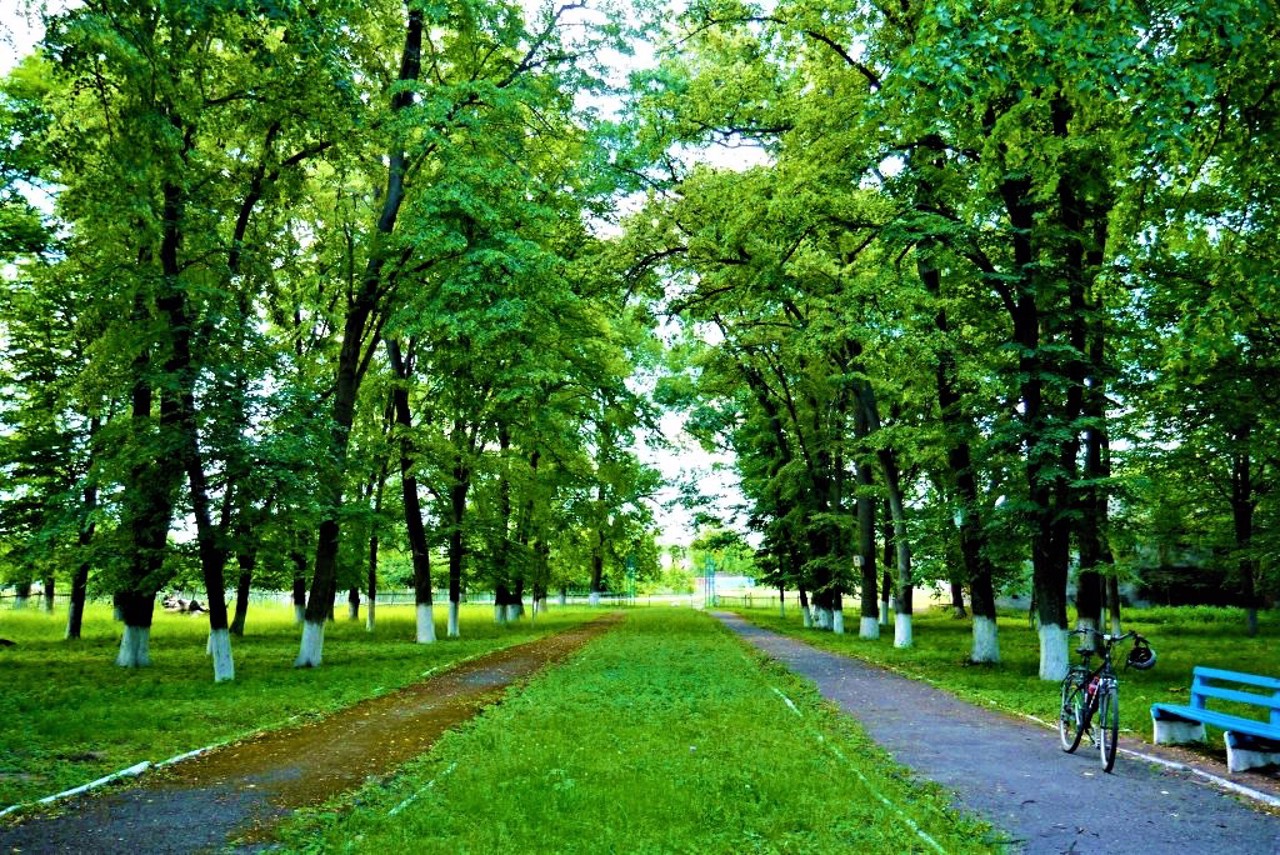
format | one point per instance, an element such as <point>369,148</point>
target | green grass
<point>664,735</point>
<point>70,715</point>
<point>1182,638</point>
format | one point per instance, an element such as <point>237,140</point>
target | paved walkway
<point>1013,772</point>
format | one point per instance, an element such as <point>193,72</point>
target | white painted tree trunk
<point>74,614</point>
<point>869,628</point>
<point>986,641</point>
<point>540,606</point>
<point>1115,626</point>
<point>453,619</point>
<point>117,614</point>
<point>782,608</point>
<point>564,598</point>
<point>224,666</point>
<point>1054,660</point>
<point>370,618</point>
<point>135,647</point>
<point>299,614</point>
<point>884,613</point>
<point>426,624</point>
<point>902,636</point>
<point>1088,640</point>
<point>837,621</point>
<point>499,614</point>
<point>353,610</point>
<point>513,612</point>
<point>806,618</point>
<point>20,602</point>
<point>595,598</point>
<point>312,645</point>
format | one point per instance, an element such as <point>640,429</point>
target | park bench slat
<point>1271,701</point>
<point>1259,680</point>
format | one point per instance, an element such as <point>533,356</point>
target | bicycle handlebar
<point>1108,638</point>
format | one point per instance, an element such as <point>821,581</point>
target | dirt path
<point>242,791</point>
<point>1013,772</point>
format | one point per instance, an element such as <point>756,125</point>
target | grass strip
<point>70,715</point>
<point>1182,637</point>
<point>662,736</point>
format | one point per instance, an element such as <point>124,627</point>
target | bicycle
<point>1090,694</point>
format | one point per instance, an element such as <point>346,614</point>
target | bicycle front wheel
<point>1109,727</point>
<point>1072,712</point>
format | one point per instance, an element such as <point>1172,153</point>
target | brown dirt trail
<point>242,791</point>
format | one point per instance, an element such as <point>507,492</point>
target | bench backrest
<point>1206,683</point>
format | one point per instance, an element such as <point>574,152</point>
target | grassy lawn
<point>664,735</point>
<point>1181,637</point>
<point>70,716</point>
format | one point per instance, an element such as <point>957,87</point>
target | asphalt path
<point>1013,773</point>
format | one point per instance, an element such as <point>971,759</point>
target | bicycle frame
<point>1087,691</point>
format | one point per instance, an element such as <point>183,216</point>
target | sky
<point>680,459</point>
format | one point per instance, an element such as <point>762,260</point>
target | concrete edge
<point>1216,780</point>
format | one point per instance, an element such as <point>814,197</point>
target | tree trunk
<point>80,579</point>
<point>135,644</point>
<point>1243,505</point>
<point>371,580</point>
<point>902,633</point>
<point>353,603</point>
<point>299,587</point>
<point>458,509</point>
<point>48,584</point>
<point>352,362</point>
<point>247,559</point>
<point>148,509</point>
<point>978,571</point>
<point>419,553</point>
<point>1045,482</point>
<point>1113,603</point>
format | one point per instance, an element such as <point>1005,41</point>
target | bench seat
<point>1250,742</point>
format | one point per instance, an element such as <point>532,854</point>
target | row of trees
<point>1002,293</point>
<point>304,268</point>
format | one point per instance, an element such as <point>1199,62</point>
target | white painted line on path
<point>906,820</point>
<point>413,797</point>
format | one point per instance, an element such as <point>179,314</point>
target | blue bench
<point>1250,742</point>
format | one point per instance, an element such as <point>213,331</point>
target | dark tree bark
<point>247,559</point>
<point>360,334</point>
<point>1244,503</point>
<point>299,584</point>
<point>420,555</point>
<point>80,579</point>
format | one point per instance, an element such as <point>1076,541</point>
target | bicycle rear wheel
<point>1072,711</point>
<point>1109,727</point>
